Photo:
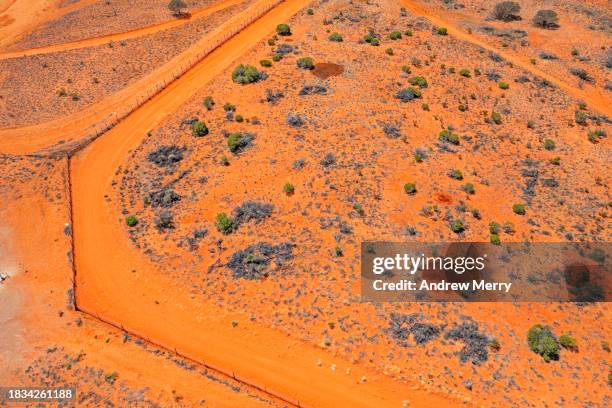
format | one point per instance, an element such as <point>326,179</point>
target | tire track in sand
<point>121,286</point>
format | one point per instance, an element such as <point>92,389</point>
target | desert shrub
<point>555,161</point>
<point>457,226</point>
<point>595,135</point>
<point>176,7</point>
<point>605,346</point>
<point>238,141</point>
<point>410,188</point>
<point>209,103</point>
<point>507,11</point>
<point>294,120</point>
<point>519,209</point>
<point>229,107</point>
<point>239,118</point>
<point>335,37</point>
<point>166,155</point>
<point>265,63</point>
<point>199,129</point>
<point>476,344</point>
<point>582,74</point>
<point>469,188</point>
<point>277,57</point>
<point>247,74</point>
<point>425,106</point>
<point>164,220</point>
<point>408,94</point>
<point>408,33</point>
<point>580,117</point>
<point>131,220</point>
<point>447,135</point>
<point>401,326</point>
<point>224,161</point>
<point>462,107</point>
<point>442,31</point>
<point>62,92</point>
<point>568,342</point>
<point>503,85</point>
<point>546,19</point>
<point>406,69</point>
<point>465,73</point>
<point>288,188</point>
<point>395,35</point>
<point>224,223</point>
<point>253,262</point>
<point>165,198</point>
<point>252,210</point>
<point>418,80</point>
<point>549,144</point>
<point>328,160</point>
<point>496,118</point>
<point>310,12</point>
<point>389,51</point>
<point>370,39</point>
<point>456,174</point>
<point>419,156</point>
<point>305,63</point>
<point>494,227</point>
<point>495,239</point>
<point>542,341</point>
<point>271,41</point>
<point>283,29</point>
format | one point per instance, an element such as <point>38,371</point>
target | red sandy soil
<point>88,75</point>
<point>45,342</point>
<point>302,333</point>
<point>102,18</point>
<point>119,36</point>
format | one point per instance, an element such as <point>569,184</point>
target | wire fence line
<point>93,131</point>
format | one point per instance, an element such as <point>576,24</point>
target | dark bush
<point>546,19</point>
<point>418,80</point>
<point>401,326</point>
<point>447,135</point>
<point>410,188</point>
<point>328,160</point>
<point>294,120</point>
<point>335,37</point>
<point>283,29</point>
<point>164,198</point>
<point>253,262</point>
<point>166,155</point>
<point>199,129</point>
<point>238,141</point>
<point>519,209</point>
<point>209,103</point>
<point>131,220</point>
<point>395,35</point>
<point>164,220</point>
<point>265,63</point>
<point>306,63</point>
<point>408,94</point>
<point>247,74</point>
<point>313,90</point>
<point>252,210</point>
<point>476,344</point>
<point>582,74</point>
<point>507,11</point>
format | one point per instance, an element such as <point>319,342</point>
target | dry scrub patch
<point>348,146</point>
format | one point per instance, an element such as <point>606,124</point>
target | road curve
<point>116,283</point>
<point>126,35</point>
<point>595,98</point>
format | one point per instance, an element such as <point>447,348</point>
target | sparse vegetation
<point>568,342</point>
<point>224,223</point>
<point>507,11</point>
<point>542,341</point>
<point>176,7</point>
<point>546,19</point>
<point>247,74</point>
<point>408,94</point>
<point>419,81</point>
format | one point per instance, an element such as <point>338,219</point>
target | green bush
<point>310,12</point>
<point>131,220</point>
<point>519,209</point>
<point>389,51</point>
<point>447,135</point>
<point>462,107</point>
<point>265,63</point>
<point>246,74</point>
<point>504,85</point>
<point>370,39</point>
<point>406,69</point>
<point>457,226</point>
<point>236,141</point>
<point>507,11</point>
<point>209,102</point>
<point>410,188</point>
<point>335,37</point>
<point>395,35</point>
<point>595,135</point>
<point>305,63</point>
<point>442,31</point>
<point>549,144</point>
<point>239,118</point>
<point>494,227</point>
<point>277,57</point>
<point>224,223</point>
<point>418,80</point>
<point>465,73</point>
<point>288,188</point>
<point>580,117</point>
<point>283,29</point>
<point>229,107</point>
<point>469,188</point>
<point>555,161</point>
<point>496,118</point>
<point>408,33</point>
<point>542,341</point>
<point>456,174</point>
<point>568,342</point>
<point>495,240</point>
<point>199,129</point>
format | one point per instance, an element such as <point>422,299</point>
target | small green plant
<point>306,63</point>
<point>335,37</point>
<point>288,188</point>
<point>246,74</point>
<point>568,342</point>
<point>277,57</point>
<point>370,39</point>
<point>447,135</point>
<point>283,29</point>
<point>494,227</point>
<point>406,69</point>
<point>209,102</point>
<point>595,135</point>
<point>462,108</point>
<point>456,174</point>
<point>418,157</point>
<point>389,51</point>
<point>542,341</point>
<point>495,240</point>
<point>199,129</point>
<point>395,35</point>
<point>549,144</point>
<point>224,223</point>
<point>229,107</point>
<point>496,118</point>
<point>469,188</point>
<point>580,118</point>
<point>605,346</point>
<point>555,161</point>
<point>265,63</point>
<point>110,378</point>
<point>457,226</point>
<point>271,41</point>
<point>131,220</point>
<point>408,33</point>
<point>503,85</point>
<point>425,106</point>
<point>410,188</point>
<point>442,31</point>
<point>310,12</point>
<point>419,81</point>
<point>236,141</point>
<point>465,73</point>
<point>494,345</point>
<point>519,209</point>
<point>239,118</point>
<point>224,161</point>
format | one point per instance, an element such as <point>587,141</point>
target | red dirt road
<point>105,39</point>
<point>118,285</point>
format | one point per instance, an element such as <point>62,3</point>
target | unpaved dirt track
<point>118,284</point>
<point>595,98</point>
<point>105,39</point>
